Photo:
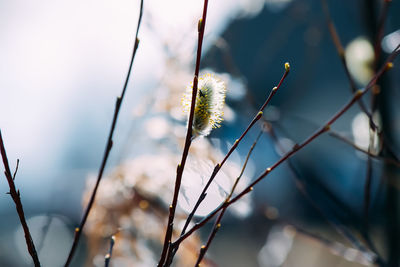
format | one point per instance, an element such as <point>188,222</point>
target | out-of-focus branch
<point>366,152</point>
<point>15,195</point>
<point>340,51</point>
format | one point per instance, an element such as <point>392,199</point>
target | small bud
<point>268,169</point>
<point>287,66</point>
<point>76,229</point>
<point>327,127</point>
<point>259,114</point>
<point>275,88</point>
<point>218,226</point>
<point>199,25</point>
<point>107,256</point>
<point>358,93</point>
<point>389,65</point>
<point>203,247</point>
<point>251,188</point>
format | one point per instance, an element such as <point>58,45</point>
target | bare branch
<point>15,195</point>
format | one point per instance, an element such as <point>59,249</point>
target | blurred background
<point>63,63</point>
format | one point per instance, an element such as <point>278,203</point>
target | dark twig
<point>108,147</point>
<point>166,252</point>
<point>217,224</point>
<point>15,195</point>
<point>341,54</point>
<point>109,254</point>
<point>377,29</point>
<point>296,148</point>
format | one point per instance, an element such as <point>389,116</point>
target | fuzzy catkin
<point>209,106</point>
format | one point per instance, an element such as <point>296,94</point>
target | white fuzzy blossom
<point>360,57</point>
<point>209,106</point>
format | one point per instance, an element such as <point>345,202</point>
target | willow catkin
<point>210,102</point>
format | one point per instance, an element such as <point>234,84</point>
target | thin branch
<point>341,54</point>
<point>381,29</point>
<point>15,195</point>
<point>217,224</point>
<point>296,148</point>
<point>108,147</point>
<point>166,255</point>
<point>108,256</point>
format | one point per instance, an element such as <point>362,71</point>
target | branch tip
<point>287,66</point>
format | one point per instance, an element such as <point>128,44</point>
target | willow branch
<point>296,148</point>
<point>188,141</point>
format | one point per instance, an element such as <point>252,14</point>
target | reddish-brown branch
<point>296,148</point>
<point>78,231</point>
<point>166,256</point>
<point>15,195</point>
